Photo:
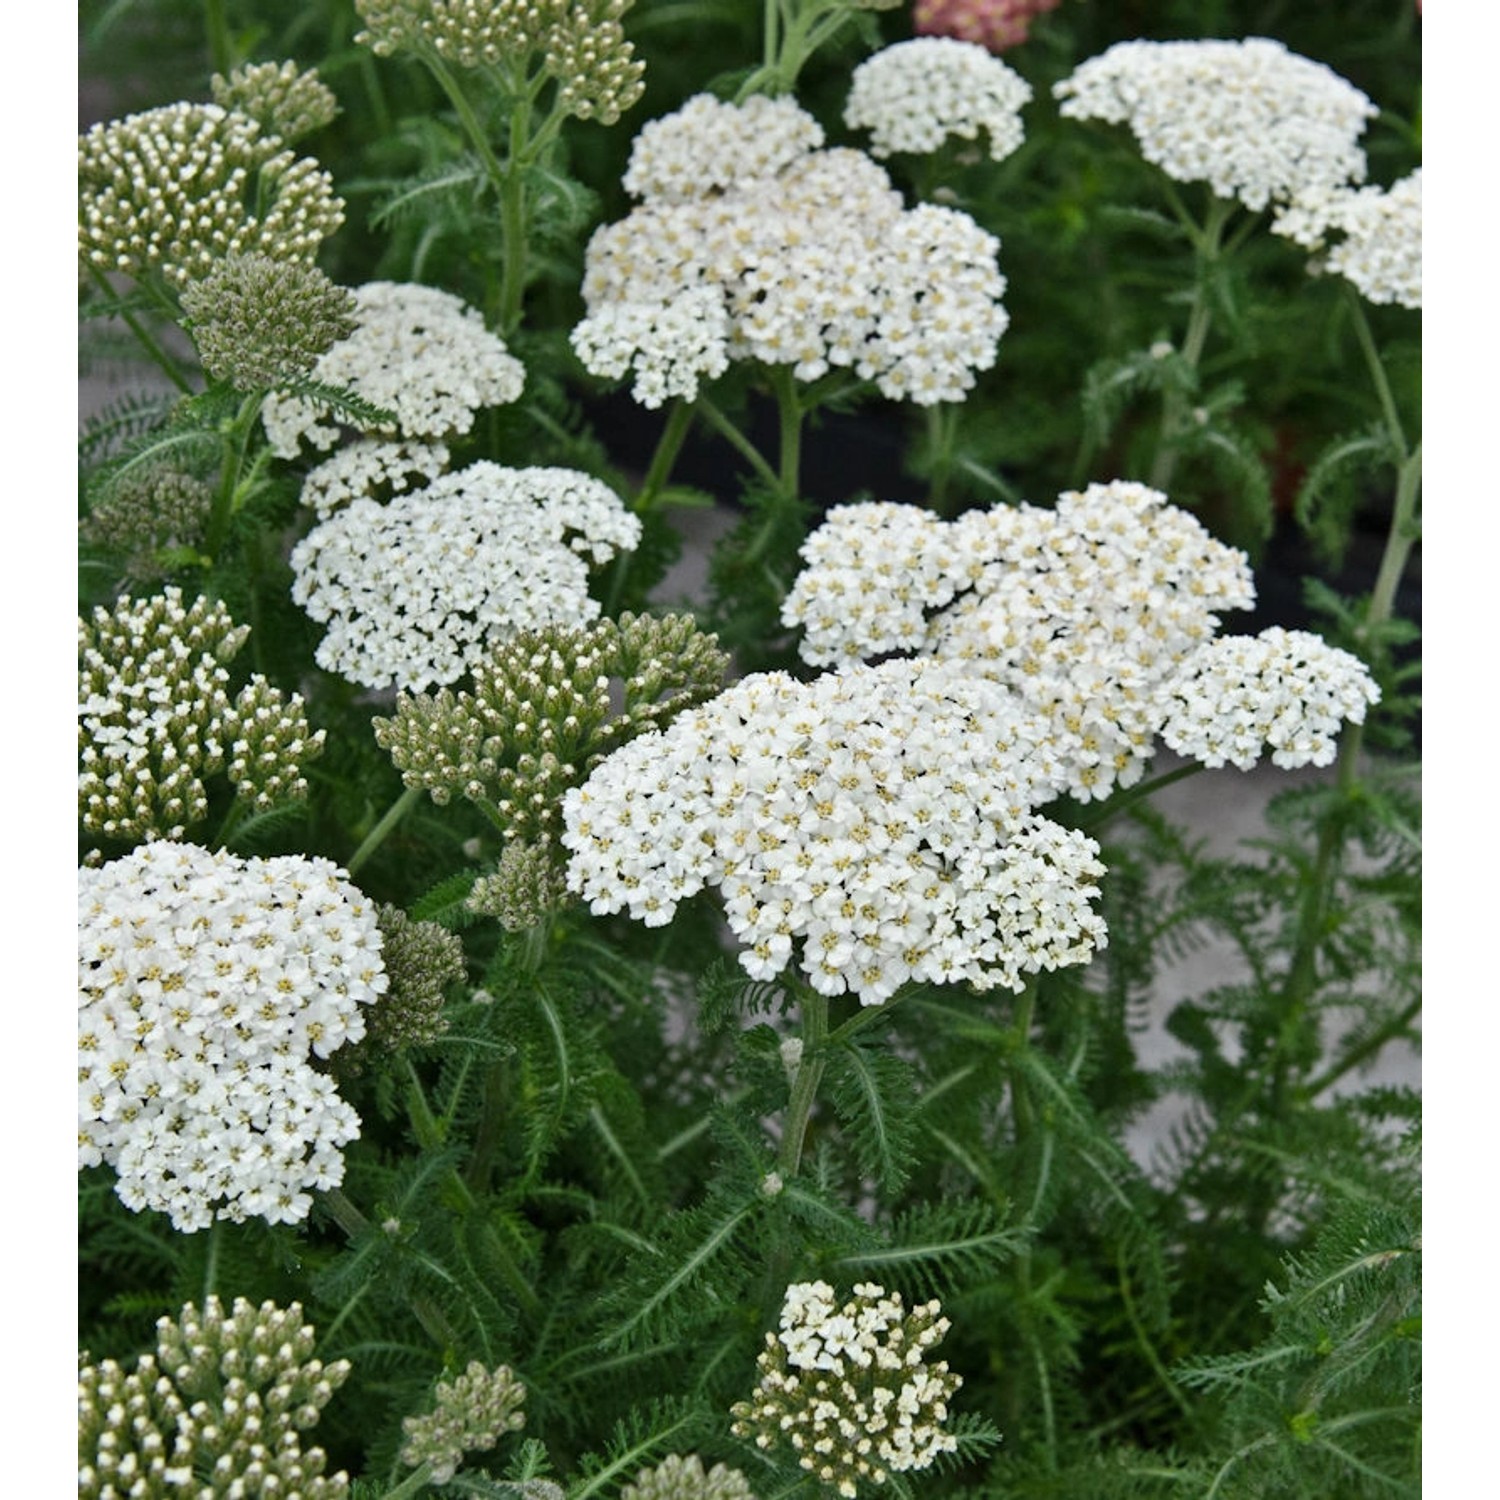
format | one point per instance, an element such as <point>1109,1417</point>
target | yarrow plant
<point>647,581</point>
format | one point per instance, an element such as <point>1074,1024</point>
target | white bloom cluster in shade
<point>914,95</point>
<point>1253,120</point>
<point>416,591</point>
<point>1081,611</point>
<point>368,466</point>
<point>1288,690</point>
<point>776,251</point>
<point>850,1389</point>
<point>879,818</point>
<point>415,350</point>
<point>205,982</point>
<point>170,190</point>
<point>1375,236</point>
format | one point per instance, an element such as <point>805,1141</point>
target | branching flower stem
<point>805,1085</point>
<point>158,356</point>
<point>1207,248</point>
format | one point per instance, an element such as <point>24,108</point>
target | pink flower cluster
<point>995,24</point>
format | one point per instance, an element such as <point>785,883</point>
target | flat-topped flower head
<point>470,1414</point>
<point>684,1478</point>
<point>1372,237</point>
<point>206,985</point>
<point>177,189</point>
<point>417,591</point>
<point>1079,611</point>
<point>874,825</point>
<point>915,95</point>
<point>258,323</point>
<point>1287,691</point>
<point>415,350</point>
<point>229,1395</point>
<point>762,247</point>
<point>155,717</point>
<point>1254,121</point>
<point>851,1389</point>
<point>282,99</point>
<point>371,469</point>
<point>996,25</point>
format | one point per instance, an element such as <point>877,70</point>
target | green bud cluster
<point>279,97</point>
<point>217,1410</point>
<point>260,323</point>
<point>526,887</point>
<point>179,188</point>
<point>149,512</point>
<point>473,1411</point>
<point>678,1478</point>
<point>155,718</point>
<point>546,708</point>
<point>421,960</point>
<point>583,45</point>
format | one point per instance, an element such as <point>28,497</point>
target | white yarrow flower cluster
<point>1081,611</point>
<point>773,250</point>
<point>1372,237</point>
<point>417,590</point>
<point>876,824</point>
<point>914,95</point>
<point>850,1389</point>
<point>206,984</point>
<point>1256,122</point>
<point>369,467</point>
<point>416,351</point>
<point>1288,690</point>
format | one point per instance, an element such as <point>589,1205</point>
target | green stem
<point>513,224</point>
<point>147,341</point>
<point>1124,801</point>
<point>737,440</point>
<point>216,24</point>
<point>1020,1098</point>
<point>211,1265</point>
<point>1377,369</point>
<point>378,834</point>
<point>942,431</point>
<point>1207,242</point>
<point>805,1085</point>
<point>668,446</point>
<point>413,1484</point>
<point>227,497</point>
<point>1143,1339</point>
<point>1366,1049</point>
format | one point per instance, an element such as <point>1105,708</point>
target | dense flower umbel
<point>279,97</point>
<point>422,959</point>
<point>1253,120</point>
<point>219,1409</point>
<point>1283,689</point>
<point>418,591</point>
<point>679,1478</point>
<point>915,95</point>
<point>416,351</point>
<point>996,25</point>
<point>849,1389</point>
<point>473,1411</point>
<point>547,706</point>
<point>204,983</point>
<point>155,717</point>
<point>371,469</point>
<point>258,323</point>
<point>1082,611</point>
<point>1375,235</point>
<point>753,244</point>
<point>178,188</point>
<point>582,43</point>
<point>880,817</point>
<point>149,513</point>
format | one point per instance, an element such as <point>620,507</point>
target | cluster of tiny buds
<point>472,1412</point>
<point>582,43</point>
<point>527,885</point>
<point>168,191</point>
<point>684,1478</point>
<point>281,98</point>
<point>217,1410</point>
<point>155,718</point>
<point>422,961</point>
<point>848,1389</point>
<point>149,512</point>
<point>258,323</point>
